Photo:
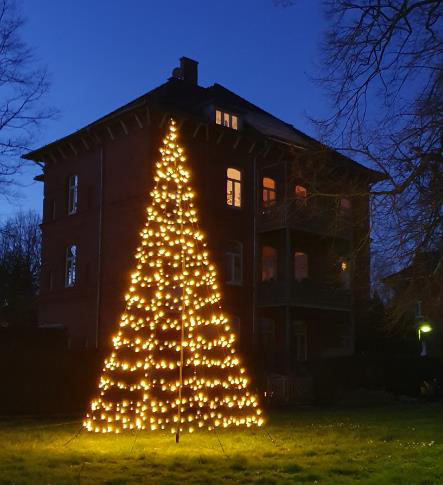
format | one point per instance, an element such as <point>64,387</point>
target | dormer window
<point>226,119</point>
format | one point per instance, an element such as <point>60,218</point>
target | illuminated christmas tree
<point>173,365</point>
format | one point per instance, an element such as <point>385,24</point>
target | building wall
<point>127,178</point>
<point>115,178</point>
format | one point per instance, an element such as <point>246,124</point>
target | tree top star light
<point>173,365</point>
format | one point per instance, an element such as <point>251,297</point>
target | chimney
<point>189,70</point>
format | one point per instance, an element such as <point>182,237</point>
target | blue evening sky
<point>102,54</point>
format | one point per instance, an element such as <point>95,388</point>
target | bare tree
<point>382,68</point>
<point>20,243</point>
<point>22,88</point>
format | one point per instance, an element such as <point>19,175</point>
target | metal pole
<point>180,386</point>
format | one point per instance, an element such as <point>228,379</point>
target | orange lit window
<point>218,117</point>
<point>300,266</point>
<point>269,263</point>
<point>301,195</point>
<point>345,272</point>
<point>269,192</point>
<point>226,119</point>
<point>233,187</point>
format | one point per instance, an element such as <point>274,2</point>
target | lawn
<point>399,444</point>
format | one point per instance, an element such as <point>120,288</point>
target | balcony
<point>307,293</point>
<point>314,218</point>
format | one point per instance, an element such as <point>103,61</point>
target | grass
<point>396,444</point>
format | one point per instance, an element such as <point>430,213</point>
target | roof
<point>178,95</point>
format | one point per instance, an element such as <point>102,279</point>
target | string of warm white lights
<point>173,365</point>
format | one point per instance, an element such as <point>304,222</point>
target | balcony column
<point>287,276</point>
<point>288,291</point>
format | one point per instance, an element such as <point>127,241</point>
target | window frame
<point>274,278</point>
<point>301,201</point>
<point>73,194</point>
<point>71,266</point>
<point>345,274</point>
<point>346,207</point>
<point>234,183</point>
<point>227,116</point>
<point>299,279</point>
<point>267,201</point>
<point>230,260</point>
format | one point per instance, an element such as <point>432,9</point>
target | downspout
<point>254,247</point>
<point>99,248</point>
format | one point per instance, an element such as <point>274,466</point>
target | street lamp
<point>423,328</point>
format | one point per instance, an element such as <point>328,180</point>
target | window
<point>300,266</point>
<point>71,265</point>
<point>345,272</point>
<point>269,264</point>
<point>345,205</point>
<point>234,263</point>
<point>233,187</point>
<point>226,119</point>
<point>269,192</point>
<point>300,341</point>
<point>301,195</point>
<point>73,194</point>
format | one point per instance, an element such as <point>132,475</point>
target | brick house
<point>291,282</point>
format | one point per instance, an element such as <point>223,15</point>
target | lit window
<point>269,192</point>
<point>233,187</point>
<point>300,266</point>
<point>73,194</point>
<point>345,273</point>
<point>71,265</point>
<point>234,263</point>
<point>269,263</point>
<point>345,205</point>
<point>301,194</point>
<point>226,119</point>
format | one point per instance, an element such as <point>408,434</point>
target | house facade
<point>292,277</point>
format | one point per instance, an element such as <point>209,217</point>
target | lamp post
<point>424,328</point>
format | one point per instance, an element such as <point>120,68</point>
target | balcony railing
<point>306,293</point>
<point>313,218</point>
